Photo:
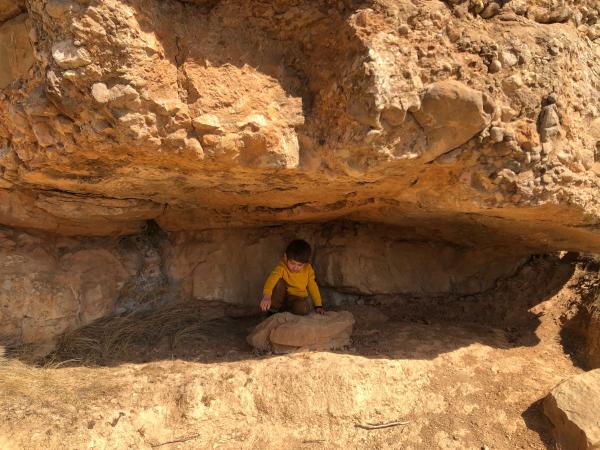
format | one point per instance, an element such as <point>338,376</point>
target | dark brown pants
<point>283,301</point>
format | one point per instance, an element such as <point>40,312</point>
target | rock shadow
<point>229,52</point>
<point>579,334</point>
<point>202,332</point>
<point>535,420</point>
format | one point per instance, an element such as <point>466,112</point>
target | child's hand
<point>265,303</point>
<point>320,310</point>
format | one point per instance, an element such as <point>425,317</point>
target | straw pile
<point>121,337</point>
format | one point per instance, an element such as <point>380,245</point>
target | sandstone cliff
<point>466,129</point>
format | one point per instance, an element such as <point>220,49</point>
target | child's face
<point>294,265</point>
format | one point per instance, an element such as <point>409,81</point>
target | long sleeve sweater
<point>298,283</point>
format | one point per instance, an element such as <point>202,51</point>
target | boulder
<point>573,408</point>
<point>451,113</point>
<point>285,332</point>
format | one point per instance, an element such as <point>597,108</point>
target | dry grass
<point>120,337</point>
<point>37,385</point>
<point>27,389</point>
<point>62,384</point>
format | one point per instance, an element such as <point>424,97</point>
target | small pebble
<point>495,66</point>
<point>496,134</point>
<point>403,30</point>
<point>509,59</point>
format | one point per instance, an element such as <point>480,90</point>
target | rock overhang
<point>269,114</point>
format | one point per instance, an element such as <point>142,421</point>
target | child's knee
<point>301,307</point>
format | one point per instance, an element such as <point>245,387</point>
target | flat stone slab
<point>285,332</point>
<point>573,407</point>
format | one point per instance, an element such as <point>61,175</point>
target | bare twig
<point>183,439</point>
<point>374,426</point>
<point>313,441</point>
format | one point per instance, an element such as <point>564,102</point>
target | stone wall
<point>52,284</point>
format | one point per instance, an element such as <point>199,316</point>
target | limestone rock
<point>59,8</point>
<point>284,332</point>
<point>16,52</point>
<point>208,123</point>
<point>573,408</point>
<point>451,114</point>
<point>551,15</point>
<point>508,59</point>
<point>323,118</point>
<point>549,123</point>
<point>495,66</point>
<point>118,96</point>
<point>490,10</point>
<point>254,121</point>
<point>68,56</point>
<point>317,120</point>
<point>47,290</point>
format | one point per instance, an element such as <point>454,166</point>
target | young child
<point>287,285</point>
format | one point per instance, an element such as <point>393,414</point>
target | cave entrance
<point>449,334</point>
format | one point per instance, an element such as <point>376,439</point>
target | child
<point>286,287</point>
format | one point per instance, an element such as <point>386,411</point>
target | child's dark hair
<point>298,250</point>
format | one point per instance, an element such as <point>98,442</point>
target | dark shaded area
<point>535,420</point>
<point>505,307</point>
<point>215,331</point>
<point>149,288</point>
<point>580,333</point>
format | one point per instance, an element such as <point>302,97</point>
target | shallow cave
<point>432,271</point>
<point>438,305</point>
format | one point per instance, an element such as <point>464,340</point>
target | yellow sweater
<point>297,282</point>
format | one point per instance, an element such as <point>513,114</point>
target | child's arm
<point>272,280</point>
<point>313,290</point>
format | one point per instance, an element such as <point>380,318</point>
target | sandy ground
<point>459,385</point>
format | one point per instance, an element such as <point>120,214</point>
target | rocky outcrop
<point>16,51</point>
<point>468,129</point>
<point>10,9</point>
<point>581,322</point>
<point>51,287</point>
<point>286,332</point>
<point>209,114</point>
<point>573,407</point>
